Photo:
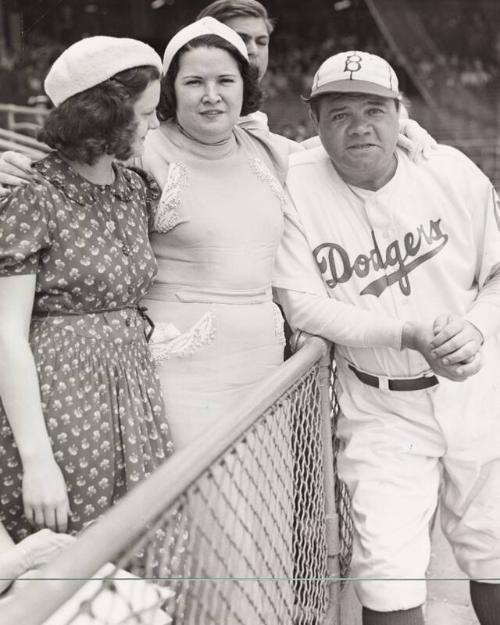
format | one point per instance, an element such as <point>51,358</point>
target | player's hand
<point>456,340</point>
<point>420,336</point>
<point>15,169</point>
<point>415,140</point>
<point>45,496</point>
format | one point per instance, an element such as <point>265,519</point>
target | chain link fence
<point>246,536</point>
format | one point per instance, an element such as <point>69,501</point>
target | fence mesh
<point>244,545</point>
<point>342,496</point>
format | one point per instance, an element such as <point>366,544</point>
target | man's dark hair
<point>224,10</point>
<point>252,94</point>
<point>99,120</point>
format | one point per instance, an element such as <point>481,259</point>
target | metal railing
<point>25,119</point>
<point>10,140</point>
<point>238,528</point>
<point>21,126</point>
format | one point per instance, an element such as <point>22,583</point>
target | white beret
<point>93,60</point>
<point>205,26</point>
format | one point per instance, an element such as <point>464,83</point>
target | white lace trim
<point>262,172</point>
<point>279,328</point>
<point>167,342</point>
<point>167,214</point>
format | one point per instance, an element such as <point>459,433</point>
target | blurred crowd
<point>22,74</point>
<point>461,50</point>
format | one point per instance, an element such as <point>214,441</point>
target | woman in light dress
<point>215,232</point>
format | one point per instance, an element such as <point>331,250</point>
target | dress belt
<point>395,384</point>
<point>186,294</point>
<point>141,310</point>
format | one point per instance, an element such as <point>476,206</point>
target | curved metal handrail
<point>37,600</point>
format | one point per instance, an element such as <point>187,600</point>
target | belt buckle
<point>383,382</point>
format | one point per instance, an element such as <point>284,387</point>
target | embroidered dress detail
<point>262,172</point>
<point>165,345</point>
<point>278,325</point>
<point>167,214</point>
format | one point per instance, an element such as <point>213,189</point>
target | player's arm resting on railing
<point>339,322</point>
<point>301,292</point>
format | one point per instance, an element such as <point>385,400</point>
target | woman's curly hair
<point>99,120</point>
<point>252,93</point>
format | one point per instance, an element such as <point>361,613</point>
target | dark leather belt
<point>96,311</point>
<point>398,384</point>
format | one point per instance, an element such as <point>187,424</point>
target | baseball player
<point>397,263</point>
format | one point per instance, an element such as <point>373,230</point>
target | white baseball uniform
<point>353,266</point>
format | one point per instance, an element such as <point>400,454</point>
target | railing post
<point>332,616</point>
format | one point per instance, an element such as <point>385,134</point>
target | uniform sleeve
<point>485,314</point>
<point>26,230</point>
<point>307,305</point>
<point>486,219</point>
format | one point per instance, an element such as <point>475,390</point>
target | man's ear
<point>313,116</point>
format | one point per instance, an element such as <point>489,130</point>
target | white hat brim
<point>353,86</point>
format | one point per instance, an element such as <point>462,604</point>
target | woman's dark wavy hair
<point>99,120</point>
<point>252,94</point>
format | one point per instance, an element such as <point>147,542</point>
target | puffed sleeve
<point>26,229</point>
<point>152,193</point>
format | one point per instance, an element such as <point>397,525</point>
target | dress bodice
<point>227,203</point>
<point>87,243</point>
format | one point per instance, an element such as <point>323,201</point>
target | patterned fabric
<point>215,236</point>
<point>88,245</point>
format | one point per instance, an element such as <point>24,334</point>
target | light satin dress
<point>215,234</point>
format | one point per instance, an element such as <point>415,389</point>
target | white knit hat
<point>205,26</point>
<point>93,60</point>
<point>355,72</point>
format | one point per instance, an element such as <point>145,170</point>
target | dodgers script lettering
<point>336,266</point>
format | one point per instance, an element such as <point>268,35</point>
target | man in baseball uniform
<point>397,263</point>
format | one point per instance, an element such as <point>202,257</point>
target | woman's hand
<point>45,495</point>
<point>415,140</point>
<point>15,168</point>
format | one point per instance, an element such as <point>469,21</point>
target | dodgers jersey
<point>422,245</point>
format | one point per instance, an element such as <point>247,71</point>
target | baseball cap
<point>204,26</point>
<point>355,72</point>
<point>93,60</point>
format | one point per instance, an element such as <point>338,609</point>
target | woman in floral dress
<point>81,418</point>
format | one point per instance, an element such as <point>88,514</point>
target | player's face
<point>145,115</point>
<point>360,133</point>
<point>253,31</point>
<point>209,93</point>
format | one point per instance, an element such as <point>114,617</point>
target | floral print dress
<point>88,246</point>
